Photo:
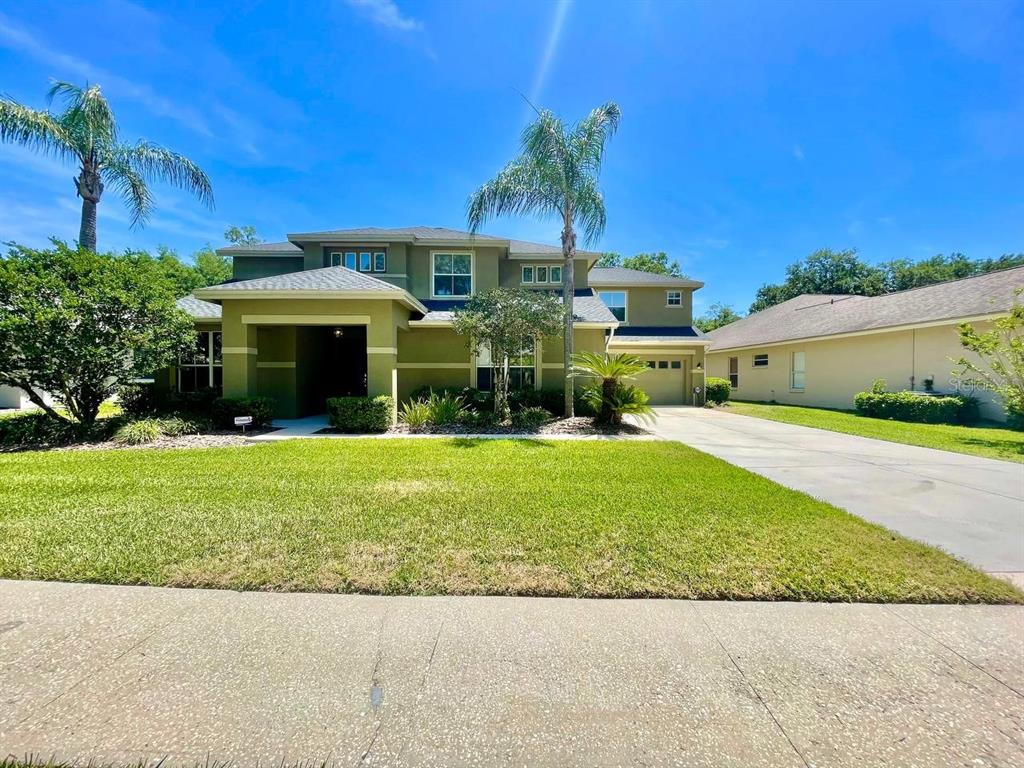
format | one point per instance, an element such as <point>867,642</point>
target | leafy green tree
<point>657,263</point>
<point>77,324</point>
<point>716,316</point>
<point>85,133</point>
<point>211,267</point>
<point>903,274</point>
<point>824,271</point>
<point>555,176</point>
<point>1001,353</point>
<point>245,235</point>
<point>503,320</point>
<point>181,276</point>
<point>610,397</point>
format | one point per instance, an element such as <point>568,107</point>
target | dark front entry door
<point>336,365</point>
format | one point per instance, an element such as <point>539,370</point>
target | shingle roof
<point>405,234</point>
<point>637,334</point>
<point>625,278</point>
<point>586,308</point>
<point>324,279</point>
<point>199,309</point>
<point>809,316</point>
<point>284,249</point>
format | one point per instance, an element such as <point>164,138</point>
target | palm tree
<point>611,398</point>
<point>555,175</point>
<point>85,133</point>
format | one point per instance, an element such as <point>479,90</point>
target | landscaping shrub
<point>360,414</point>
<point>199,402</point>
<point>36,428</point>
<point>717,390</point>
<point>415,413</point>
<point>137,399</point>
<point>530,418</point>
<point>225,409</point>
<point>138,432</point>
<point>918,407</point>
<point>482,420</point>
<point>445,409</point>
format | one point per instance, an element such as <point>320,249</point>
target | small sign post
<point>243,422</point>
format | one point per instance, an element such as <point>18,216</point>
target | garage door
<point>664,380</point>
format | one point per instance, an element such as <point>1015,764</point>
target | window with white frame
<point>799,371</point>
<point>350,260</point>
<point>203,367</point>
<point>615,301</point>
<point>380,262</point>
<point>521,368</point>
<point>452,274</point>
<point>335,259</point>
<point>673,298</point>
<point>541,274</point>
<point>734,372</point>
<point>760,361</point>
<point>365,263</point>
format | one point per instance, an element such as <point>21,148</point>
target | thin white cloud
<point>550,49</point>
<point>19,39</point>
<point>387,14</point>
<point>798,152</point>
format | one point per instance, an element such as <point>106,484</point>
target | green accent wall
<point>647,306</point>
<point>252,267</point>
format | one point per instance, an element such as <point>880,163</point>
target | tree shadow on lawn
<point>476,442</point>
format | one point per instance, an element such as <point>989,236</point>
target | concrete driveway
<point>969,506</point>
<point>122,674</point>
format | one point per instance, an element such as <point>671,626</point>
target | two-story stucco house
<point>369,312</point>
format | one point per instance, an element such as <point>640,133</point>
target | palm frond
<point>588,139</point>
<point>544,139</point>
<point>33,128</point>
<point>152,161</point>
<point>87,117</point>
<point>131,186</point>
<point>521,187</point>
<point>588,207</point>
<point>604,366</point>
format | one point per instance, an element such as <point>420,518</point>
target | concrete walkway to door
<point>969,506</point>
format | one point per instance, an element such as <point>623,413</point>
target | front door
<point>344,372</point>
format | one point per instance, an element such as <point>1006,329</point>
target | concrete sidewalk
<point>970,506</point>
<point>137,673</point>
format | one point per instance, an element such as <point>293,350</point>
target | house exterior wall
<point>252,267</point>
<point>837,369</point>
<point>510,272</point>
<point>647,306</point>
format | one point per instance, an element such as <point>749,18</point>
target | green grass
<point>459,516</point>
<point>994,442</point>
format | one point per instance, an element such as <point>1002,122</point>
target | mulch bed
<point>216,439</point>
<point>578,425</point>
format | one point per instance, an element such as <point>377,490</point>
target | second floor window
<point>452,275</point>
<point>362,261</point>
<point>616,302</point>
<point>673,298</point>
<point>535,274</point>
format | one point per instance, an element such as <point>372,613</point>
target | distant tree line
<point>831,272</point>
<point>658,263</point>
<point>205,268</point>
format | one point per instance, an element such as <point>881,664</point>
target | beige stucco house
<point>369,312</point>
<point>821,350</point>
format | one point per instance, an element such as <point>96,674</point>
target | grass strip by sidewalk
<point>993,442</point>
<point>460,516</point>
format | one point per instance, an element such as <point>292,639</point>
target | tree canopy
<point>716,316</point>
<point>85,133</point>
<point>658,263</point>
<point>832,272</point>
<point>555,176</point>
<point>503,320</point>
<point>77,324</point>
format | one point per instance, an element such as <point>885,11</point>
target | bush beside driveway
<point>459,516</point>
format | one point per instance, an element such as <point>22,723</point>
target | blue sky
<point>752,133</point>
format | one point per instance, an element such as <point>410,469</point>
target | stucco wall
<point>837,369</point>
<point>510,272</point>
<point>252,267</point>
<point>647,306</point>
<point>485,268</point>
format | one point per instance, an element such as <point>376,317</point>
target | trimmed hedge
<point>717,390</point>
<point>137,399</point>
<point>38,429</point>
<point>918,407</point>
<point>224,410</point>
<point>361,414</point>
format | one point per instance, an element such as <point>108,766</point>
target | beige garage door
<point>664,380</point>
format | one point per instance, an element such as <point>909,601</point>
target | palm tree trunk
<point>608,387</point>
<point>90,188</point>
<point>568,292</point>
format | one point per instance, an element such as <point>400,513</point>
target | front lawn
<point>993,442</point>
<point>459,516</point>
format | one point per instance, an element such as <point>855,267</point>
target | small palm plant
<point>85,133</point>
<point>610,397</point>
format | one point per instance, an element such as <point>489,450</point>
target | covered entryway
<point>665,380</point>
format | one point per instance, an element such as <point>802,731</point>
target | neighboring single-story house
<point>369,312</point>
<point>821,350</point>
